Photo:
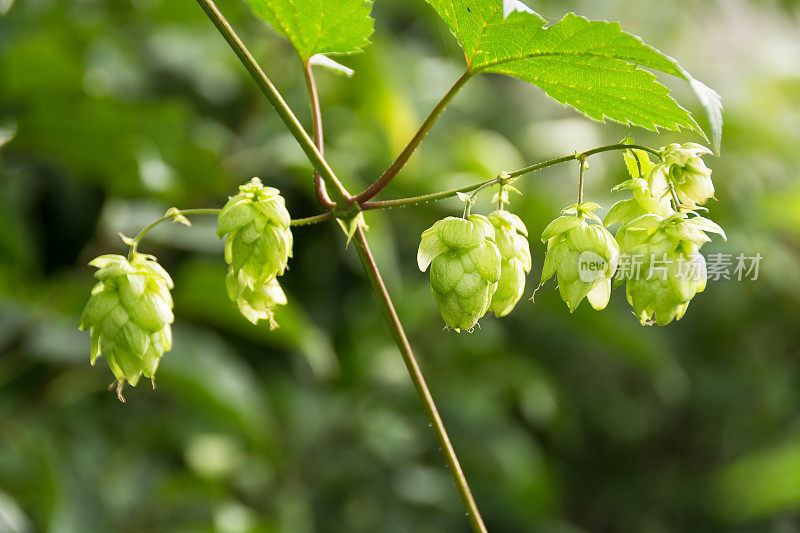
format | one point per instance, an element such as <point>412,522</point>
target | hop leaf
<point>583,256</point>
<point>465,266</point>
<point>592,66</point>
<point>515,260</point>
<point>665,268</point>
<point>258,244</point>
<point>128,315</point>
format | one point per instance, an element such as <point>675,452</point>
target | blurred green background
<point>112,111</point>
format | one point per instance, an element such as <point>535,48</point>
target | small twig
<point>316,116</point>
<point>503,177</point>
<point>582,165</point>
<point>675,199</point>
<point>170,216</point>
<point>214,211</point>
<point>412,145</point>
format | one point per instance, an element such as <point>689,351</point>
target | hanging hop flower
<point>650,191</point>
<point>258,244</point>
<point>510,236</point>
<point>129,315</point>
<point>663,267</point>
<point>583,256</point>
<point>465,267</point>
<point>683,167</point>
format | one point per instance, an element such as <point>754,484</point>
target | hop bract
<point>683,167</point>
<point>129,315</point>
<point>258,245</point>
<point>256,302</point>
<point>648,197</point>
<point>583,256</point>
<point>510,236</point>
<point>465,267</point>
<point>663,267</point>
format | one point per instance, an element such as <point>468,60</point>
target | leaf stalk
<point>397,165</point>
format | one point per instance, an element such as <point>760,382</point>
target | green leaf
<point>319,26</point>
<point>592,66</point>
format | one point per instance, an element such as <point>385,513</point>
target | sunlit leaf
<point>592,66</point>
<point>319,26</point>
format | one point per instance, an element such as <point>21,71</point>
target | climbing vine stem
<point>389,313</point>
<point>500,179</point>
<point>336,189</point>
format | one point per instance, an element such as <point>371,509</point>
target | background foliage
<point>112,111</point>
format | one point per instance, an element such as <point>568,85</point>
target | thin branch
<point>582,164</point>
<point>423,130</point>
<point>501,179</point>
<point>379,289</point>
<point>389,313</point>
<point>171,216</point>
<point>340,194</point>
<point>316,219</point>
<point>316,116</point>
<point>215,211</point>
<point>675,199</point>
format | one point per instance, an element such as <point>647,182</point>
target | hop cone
<point>510,236</point>
<point>465,268</point>
<point>664,268</point>
<point>258,245</point>
<point>129,315</point>
<point>583,256</point>
<point>683,167</point>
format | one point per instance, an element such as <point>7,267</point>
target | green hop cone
<point>663,268</point>
<point>510,236</point>
<point>683,167</point>
<point>129,315</point>
<point>583,256</point>
<point>465,267</point>
<point>258,244</point>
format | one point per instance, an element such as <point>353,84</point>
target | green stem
<point>389,313</point>
<point>379,289</point>
<point>316,116</point>
<point>413,200</point>
<point>340,194</point>
<point>316,219</point>
<point>215,211</point>
<point>423,130</point>
<point>675,199</point>
<point>582,164</point>
<point>139,236</point>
